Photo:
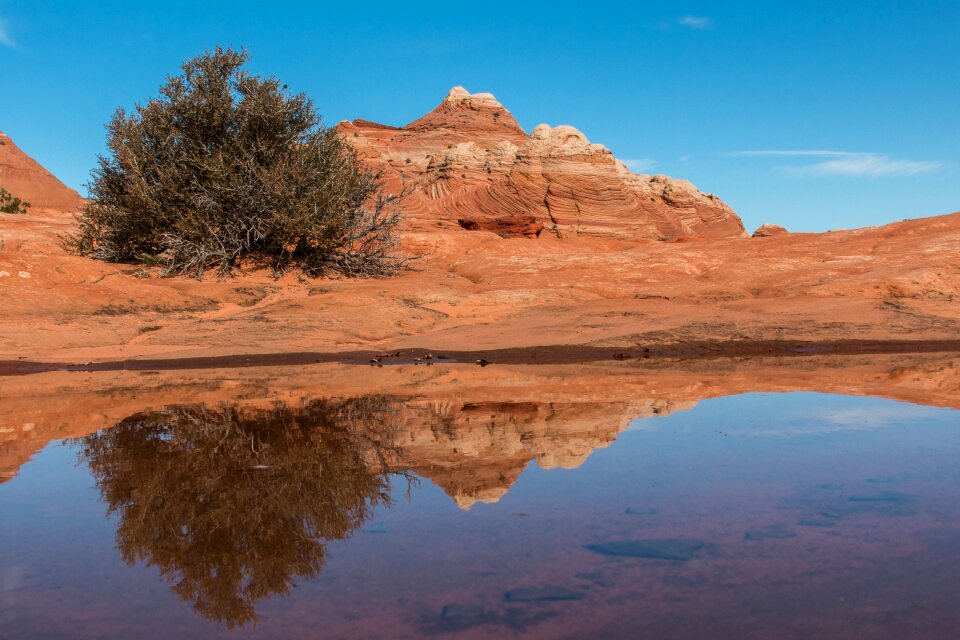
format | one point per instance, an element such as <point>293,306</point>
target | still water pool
<point>795,515</point>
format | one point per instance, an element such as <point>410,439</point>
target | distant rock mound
<point>469,159</point>
<point>767,230</point>
<point>26,179</point>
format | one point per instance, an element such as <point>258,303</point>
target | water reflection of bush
<point>233,505</point>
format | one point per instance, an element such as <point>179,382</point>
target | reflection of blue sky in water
<point>851,528</point>
<point>795,414</point>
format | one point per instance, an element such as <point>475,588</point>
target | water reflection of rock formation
<point>232,505</point>
<point>475,451</point>
<point>470,429</point>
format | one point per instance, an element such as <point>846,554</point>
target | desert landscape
<point>664,344</point>
<point>523,241</point>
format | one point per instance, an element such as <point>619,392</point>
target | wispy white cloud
<point>791,152</point>
<point>878,416</point>
<point>845,163</point>
<point>695,22</point>
<point>873,165</point>
<point>640,165</point>
<point>5,39</point>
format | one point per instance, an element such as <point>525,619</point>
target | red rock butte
<point>23,177</point>
<point>469,162</point>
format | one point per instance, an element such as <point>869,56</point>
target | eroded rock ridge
<point>469,159</point>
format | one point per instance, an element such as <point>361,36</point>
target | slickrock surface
<point>474,290</point>
<point>471,430</point>
<point>470,159</point>
<point>22,176</point>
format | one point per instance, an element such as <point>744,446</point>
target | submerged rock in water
<point>674,549</point>
<point>832,514</point>
<point>888,497</point>
<point>589,575</point>
<point>462,612</point>
<point>546,593</point>
<point>817,522</point>
<point>836,505</point>
<point>772,532</point>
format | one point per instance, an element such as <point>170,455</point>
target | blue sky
<point>816,115</point>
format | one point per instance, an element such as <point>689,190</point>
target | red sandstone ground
<point>598,274</point>
<point>475,290</point>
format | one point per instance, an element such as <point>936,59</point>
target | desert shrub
<point>226,168</point>
<point>11,204</point>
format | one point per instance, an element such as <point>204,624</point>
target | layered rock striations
<point>476,451</point>
<point>470,160</point>
<point>26,179</point>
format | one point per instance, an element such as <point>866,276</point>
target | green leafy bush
<point>228,169</point>
<point>11,204</point>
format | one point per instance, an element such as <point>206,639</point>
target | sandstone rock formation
<point>766,230</point>
<point>469,159</point>
<point>23,176</point>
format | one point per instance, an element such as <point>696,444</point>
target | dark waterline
<point>756,516</point>
<point>550,354</point>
